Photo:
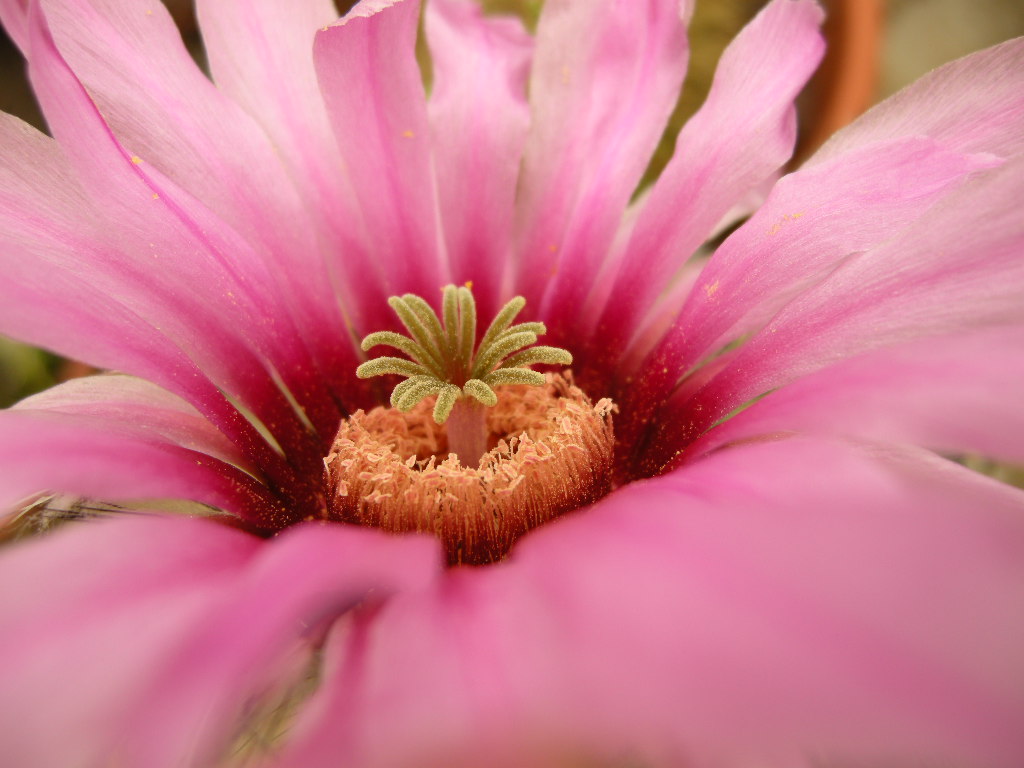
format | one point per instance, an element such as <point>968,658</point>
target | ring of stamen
<point>551,451</point>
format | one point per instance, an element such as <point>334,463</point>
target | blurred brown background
<point>916,36</point>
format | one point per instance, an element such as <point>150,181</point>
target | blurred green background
<point>918,35</point>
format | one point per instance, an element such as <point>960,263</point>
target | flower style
<point>783,566</point>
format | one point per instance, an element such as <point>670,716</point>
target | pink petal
<point>782,599</point>
<point>741,136</point>
<point>134,407</point>
<point>974,104</point>
<point>303,582</point>
<point>96,458</point>
<point>88,615</point>
<point>811,221</point>
<point>217,615</point>
<point>606,76</point>
<point>14,17</point>
<point>367,70</point>
<point>197,151</point>
<point>479,116</point>
<point>261,56</point>
<point>958,394</point>
<point>958,266</point>
<point>212,297</point>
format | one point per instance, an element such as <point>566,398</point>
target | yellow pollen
<point>551,452</point>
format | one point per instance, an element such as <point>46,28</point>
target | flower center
<point>477,449</point>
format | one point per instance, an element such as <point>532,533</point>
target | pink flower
<point>808,582</point>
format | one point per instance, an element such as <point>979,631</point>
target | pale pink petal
<point>218,179</point>
<point>261,55</point>
<point>478,116</point>
<point>863,612</point>
<point>309,577</point>
<point>14,17</point>
<point>217,614</point>
<point>974,104</point>
<point>70,288</point>
<point>605,78</point>
<point>961,394</point>
<point>811,221</point>
<point>741,136</point>
<point>96,458</point>
<point>958,266</point>
<point>209,295</point>
<point>366,65</point>
<point>88,615</point>
<point>134,407</point>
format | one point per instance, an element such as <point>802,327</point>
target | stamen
<point>442,361</point>
<point>549,451</point>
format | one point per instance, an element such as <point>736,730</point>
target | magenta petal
<point>789,598</point>
<point>605,78</point>
<point>742,135</point>
<point>370,81</point>
<point>973,104</point>
<point>479,116</point>
<point>959,394</point>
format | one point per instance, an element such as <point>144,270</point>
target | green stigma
<point>441,353</point>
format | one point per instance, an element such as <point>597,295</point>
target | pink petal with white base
<point>960,394</point>
<point>861,611</point>
<point>741,136</point>
<point>479,116</point>
<point>366,65</point>
<point>974,104</point>
<point>605,78</point>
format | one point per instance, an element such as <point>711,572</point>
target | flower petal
<point>197,152</point>
<point>134,407</point>
<point>605,78</point>
<point>14,17</point>
<point>956,267</point>
<point>740,137</point>
<point>479,116</point>
<point>46,452</point>
<point>87,616</point>
<point>813,222</point>
<point>958,393</point>
<point>973,104</point>
<point>366,65</point>
<point>864,610</point>
<point>211,296</point>
<point>261,56</point>
<point>308,578</point>
<point>217,614</point>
